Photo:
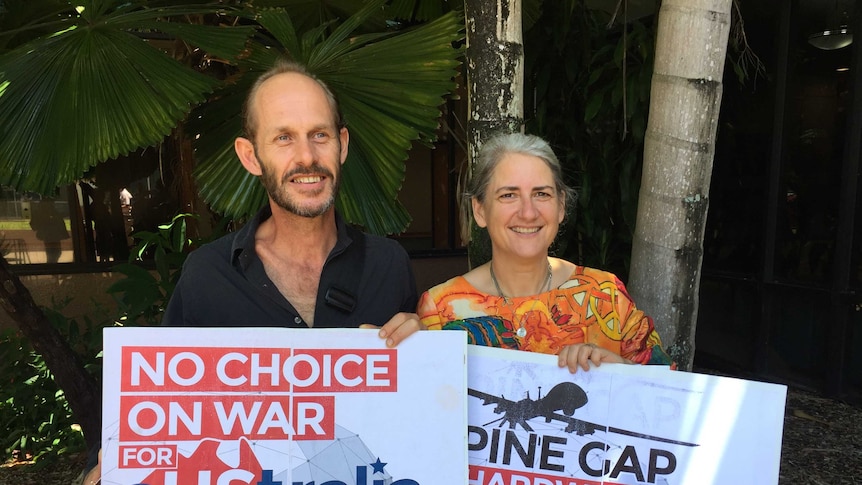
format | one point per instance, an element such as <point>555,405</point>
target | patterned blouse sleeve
<point>640,342</point>
<point>428,313</point>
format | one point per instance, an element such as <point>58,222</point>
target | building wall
<point>76,294</point>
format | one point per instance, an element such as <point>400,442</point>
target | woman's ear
<point>245,151</point>
<point>478,212</point>
<point>562,208</point>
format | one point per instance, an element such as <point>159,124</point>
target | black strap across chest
<point>344,294</point>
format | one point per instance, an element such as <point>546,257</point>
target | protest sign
<point>533,423</point>
<point>267,406</point>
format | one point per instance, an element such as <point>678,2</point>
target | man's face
<point>298,147</point>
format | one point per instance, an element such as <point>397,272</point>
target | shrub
<point>36,420</point>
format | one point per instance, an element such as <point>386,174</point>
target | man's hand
<point>398,328</point>
<point>580,355</point>
<point>94,476</point>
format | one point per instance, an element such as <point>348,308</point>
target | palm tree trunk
<point>667,248</point>
<point>495,85</point>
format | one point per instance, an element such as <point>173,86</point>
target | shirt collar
<point>242,249</point>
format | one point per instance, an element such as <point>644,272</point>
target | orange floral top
<point>591,307</point>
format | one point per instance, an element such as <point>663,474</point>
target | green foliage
<point>69,70</point>
<point>95,67</point>
<point>143,295</point>
<point>390,85</point>
<point>35,419</point>
<point>590,90</point>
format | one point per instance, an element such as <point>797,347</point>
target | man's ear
<point>245,151</point>
<point>478,212</point>
<point>344,137</point>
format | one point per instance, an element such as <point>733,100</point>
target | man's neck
<point>308,239</point>
<point>293,250</point>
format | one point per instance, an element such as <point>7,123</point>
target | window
<point>86,222</point>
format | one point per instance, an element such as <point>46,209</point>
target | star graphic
<point>378,466</point>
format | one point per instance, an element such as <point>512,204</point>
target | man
<point>296,264</point>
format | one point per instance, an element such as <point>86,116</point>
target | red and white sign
<point>264,406</point>
<point>187,406</point>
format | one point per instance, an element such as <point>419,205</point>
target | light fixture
<point>831,39</point>
<point>835,36</point>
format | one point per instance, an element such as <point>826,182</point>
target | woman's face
<point>522,209</point>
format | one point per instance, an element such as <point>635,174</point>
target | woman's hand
<point>580,355</point>
<point>398,328</point>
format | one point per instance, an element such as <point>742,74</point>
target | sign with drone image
<point>533,423</point>
<point>277,406</point>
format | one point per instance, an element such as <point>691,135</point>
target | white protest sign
<point>533,423</point>
<point>267,406</point>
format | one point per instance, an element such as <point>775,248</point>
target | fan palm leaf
<point>308,14</point>
<point>97,89</point>
<point>390,86</point>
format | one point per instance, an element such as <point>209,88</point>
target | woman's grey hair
<point>490,155</point>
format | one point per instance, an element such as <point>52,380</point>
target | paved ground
<point>822,441</point>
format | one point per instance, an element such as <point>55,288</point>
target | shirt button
<point>297,320</point>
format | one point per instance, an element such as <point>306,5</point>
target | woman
<point>523,299</point>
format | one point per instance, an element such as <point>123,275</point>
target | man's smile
<point>307,179</point>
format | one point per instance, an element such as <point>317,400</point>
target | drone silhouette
<point>559,404</point>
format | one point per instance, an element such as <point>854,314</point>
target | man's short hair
<point>284,66</point>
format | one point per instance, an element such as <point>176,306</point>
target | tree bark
<point>495,85</point>
<point>685,97</point>
<point>80,388</point>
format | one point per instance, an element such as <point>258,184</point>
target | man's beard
<point>278,191</point>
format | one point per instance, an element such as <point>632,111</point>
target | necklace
<point>521,332</point>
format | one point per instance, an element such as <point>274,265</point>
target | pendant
<point>522,332</point>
